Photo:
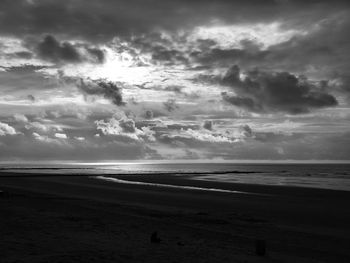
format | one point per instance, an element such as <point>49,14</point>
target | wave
<point>186,187</point>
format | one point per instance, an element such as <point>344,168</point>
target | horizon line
<point>179,161</point>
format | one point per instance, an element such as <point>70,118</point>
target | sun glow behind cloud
<point>119,66</point>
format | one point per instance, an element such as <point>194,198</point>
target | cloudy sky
<point>174,79</point>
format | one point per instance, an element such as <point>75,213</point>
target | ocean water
<point>316,175</point>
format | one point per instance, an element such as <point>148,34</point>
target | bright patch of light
<point>136,72</point>
<point>121,67</point>
<point>231,36</point>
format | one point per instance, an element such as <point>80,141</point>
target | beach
<point>80,218</point>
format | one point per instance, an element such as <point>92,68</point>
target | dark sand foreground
<point>82,219</point>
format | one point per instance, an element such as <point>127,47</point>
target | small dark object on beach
<point>4,194</point>
<point>260,247</point>
<point>155,238</point>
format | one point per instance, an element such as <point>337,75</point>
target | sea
<point>324,175</point>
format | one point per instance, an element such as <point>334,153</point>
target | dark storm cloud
<point>170,105</point>
<point>148,114</point>
<point>270,92</point>
<point>107,18</point>
<point>342,85</point>
<point>97,53</point>
<point>53,50</point>
<point>31,98</point>
<point>171,56</point>
<point>222,57</point>
<point>106,89</point>
<point>21,54</point>
<point>208,125</point>
<point>247,131</point>
<point>24,69</point>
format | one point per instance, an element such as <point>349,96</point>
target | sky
<point>90,80</point>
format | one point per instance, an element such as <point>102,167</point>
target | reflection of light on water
<point>314,182</point>
<point>116,180</point>
<point>328,176</point>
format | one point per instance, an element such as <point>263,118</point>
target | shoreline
<point>174,177</point>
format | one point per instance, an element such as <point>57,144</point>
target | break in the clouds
<point>109,80</point>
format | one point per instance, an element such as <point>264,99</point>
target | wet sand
<point>82,219</point>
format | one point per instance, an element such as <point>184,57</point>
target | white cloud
<point>6,129</point>
<point>20,118</point>
<point>61,135</point>
<point>221,135</point>
<point>57,140</point>
<point>125,127</point>
<point>231,36</point>
<point>38,126</point>
<point>208,136</point>
<point>42,138</point>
